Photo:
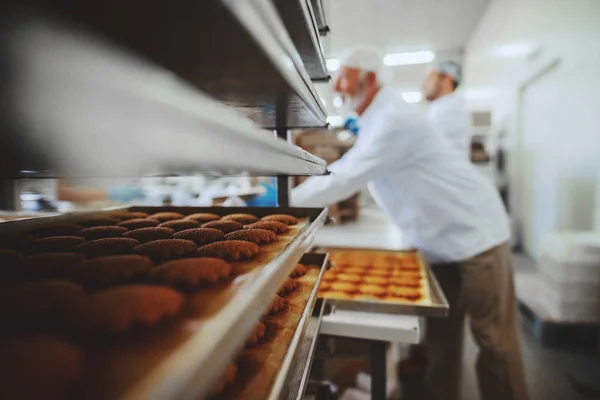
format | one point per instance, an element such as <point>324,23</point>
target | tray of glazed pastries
<point>141,302</point>
<point>382,281</point>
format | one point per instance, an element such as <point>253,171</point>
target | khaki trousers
<point>481,287</point>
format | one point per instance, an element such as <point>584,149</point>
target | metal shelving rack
<point>112,89</point>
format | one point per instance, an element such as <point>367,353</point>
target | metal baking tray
<point>438,306</point>
<point>189,371</point>
<point>293,374</point>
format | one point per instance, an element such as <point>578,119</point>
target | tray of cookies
<point>266,367</point>
<point>144,302</point>
<point>383,281</point>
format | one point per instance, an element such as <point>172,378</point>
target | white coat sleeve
<point>370,156</point>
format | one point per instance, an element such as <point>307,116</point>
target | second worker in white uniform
<point>445,208</point>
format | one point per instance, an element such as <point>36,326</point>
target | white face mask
<point>350,104</point>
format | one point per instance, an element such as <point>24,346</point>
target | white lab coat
<point>450,116</point>
<point>434,195</point>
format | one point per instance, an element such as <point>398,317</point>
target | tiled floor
<point>547,369</point>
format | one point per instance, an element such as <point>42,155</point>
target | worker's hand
<point>351,124</point>
<point>125,193</point>
<point>268,199</point>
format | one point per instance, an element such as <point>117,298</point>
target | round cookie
<point>38,367</point>
<point>56,244</point>
<point>278,304</point>
<point>244,219</point>
<point>329,276</point>
<point>112,269</point>
<point>337,295</point>
<point>324,286</point>
<point>230,250</point>
<point>378,272</point>
<point>128,215</point>
<point>405,282</point>
<point>166,216</point>
<point>107,247</point>
<point>298,271</point>
<point>119,309</point>
<point>349,278</point>
<point>180,224</point>
<point>258,236</point>
<point>145,235</point>
<point>376,280</point>
<point>225,226</point>
<point>289,286</point>
<point>346,287</point>
<point>404,292</point>
<point>275,226</point>
<point>200,236</point>
<point>100,221</point>
<point>257,334</point>
<point>354,271</point>
<point>203,217</point>
<point>101,232</point>
<point>191,271</point>
<point>372,290</point>
<point>285,218</point>
<point>166,249</point>
<point>51,265</point>
<point>133,224</point>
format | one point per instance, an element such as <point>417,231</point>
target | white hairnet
<point>362,58</point>
<point>449,68</point>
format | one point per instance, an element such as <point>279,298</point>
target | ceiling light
<point>514,50</point>
<point>412,97</point>
<point>335,120</point>
<point>413,57</point>
<point>333,64</point>
<point>337,101</point>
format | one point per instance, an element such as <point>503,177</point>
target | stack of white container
<point>569,288</point>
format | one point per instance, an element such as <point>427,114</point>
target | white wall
<point>567,30</point>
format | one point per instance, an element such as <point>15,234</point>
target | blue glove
<point>267,199</point>
<point>351,124</point>
<point>125,193</point>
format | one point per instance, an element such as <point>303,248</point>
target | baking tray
<point>438,305</point>
<point>192,367</point>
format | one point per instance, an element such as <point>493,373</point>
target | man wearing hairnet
<point>447,111</point>
<point>445,208</point>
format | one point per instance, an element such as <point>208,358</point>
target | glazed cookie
<point>101,232</point>
<point>132,224</point>
<point>107,247</point>
<point>225,226</point>
<point>166,216</point>
<point>275,226</point>
<point>244,219</point>
<point>145,235</point>
<point>200,236</point>
<point>203,217</point>
<point>180,224</point>
<point>230,250</point>
<point>112,269</point>
<point>191,271</point>
<point>258,236</point>
<point>166,249</point>
<point>285,218</point>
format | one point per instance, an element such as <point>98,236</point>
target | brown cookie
<point>138,223</point>
<point>166,249</point>
<point>225,226</point>
<point>289,286</point>
<point>56,230</point>
<point>243,219</point>
<point>405,292</point>
<point>38,367</point>
<point>122,308</point>
<point>372,290</point>
<point>349,278</point>
<point>203,217</point>
<point>376,280</point>
<point>333,294</point>
<point>275,226</point>
<point>200,236</point>
<point>230,250</point>
<point>278,304</point>
<point>101,232</point>
<point>180,224</point>
<point>51,265</point>
<point>56,244</point>
<point>145,235</point>
<point>324,286</point>
<point>405,282</point>
<point>329,276</point>
<point>299,270</point>
<point>258,333</point>
<point>112,269</point>
<point>345,287</point>
<point>285,218</point>
<point>107,247</point>
<point>105,221</point>
<point>224,381</point>
<point>127,215</point>
<point>37,299</point>
<point>258,236</point>
<point>166,216</point>
<point>191,271</point>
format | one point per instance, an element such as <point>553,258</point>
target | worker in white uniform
<point>444,208</point>
<point>447,111</point>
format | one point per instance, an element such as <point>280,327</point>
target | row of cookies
<point>260,330</point>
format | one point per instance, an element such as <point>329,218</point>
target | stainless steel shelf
<point>318,10</point>
<point>298,17</point>
<point>237,51</point>
<point>84,108</point>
